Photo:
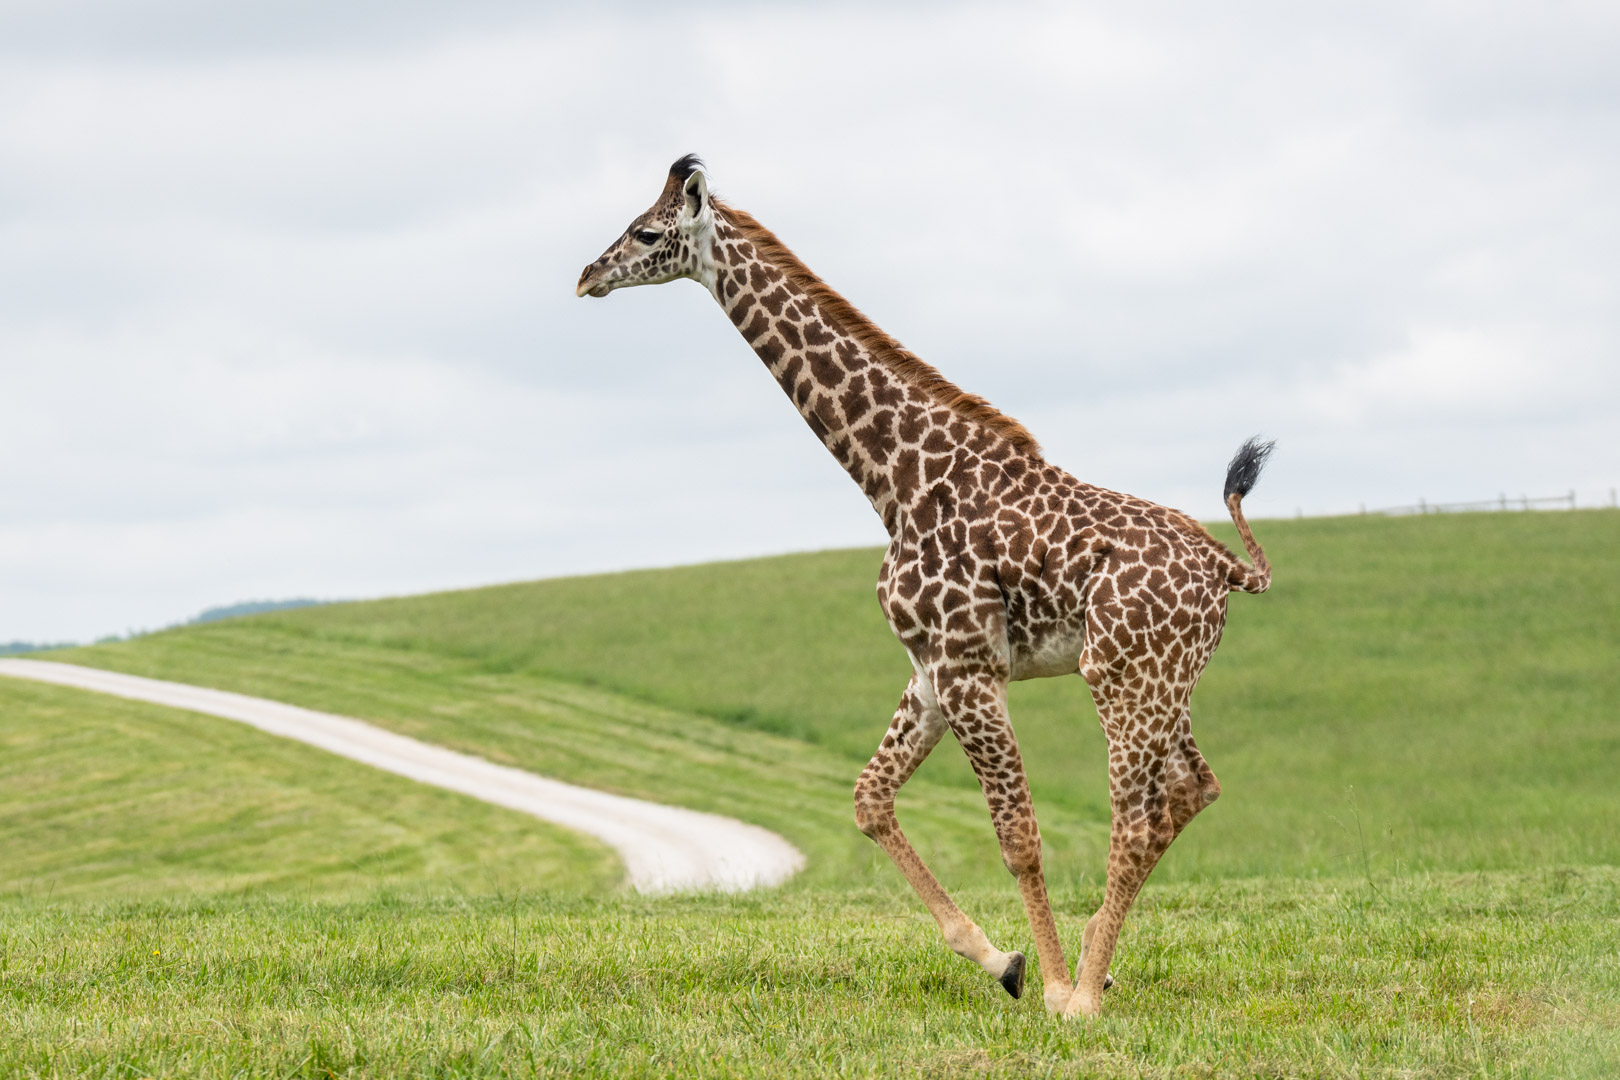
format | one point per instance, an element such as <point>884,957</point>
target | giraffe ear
<point>696,191</point>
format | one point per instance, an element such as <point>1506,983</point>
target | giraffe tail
<point>1241,475</point>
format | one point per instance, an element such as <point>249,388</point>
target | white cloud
<point>1440,371</point>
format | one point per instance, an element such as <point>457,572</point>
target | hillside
<point>1415,693</point>
<point>101,797</point>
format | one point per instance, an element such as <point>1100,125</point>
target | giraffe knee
<point>874,823</point>
<point>874,811</point>
<point>1192,795</point>
<point>1209,788</point>
<point>1021,855</point>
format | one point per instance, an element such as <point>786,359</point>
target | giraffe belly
<point>1055,652</point>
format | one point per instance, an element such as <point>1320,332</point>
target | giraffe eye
<point>648,236</point>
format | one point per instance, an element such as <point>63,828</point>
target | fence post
<point>1572,498</point>
<point>1423,507</point>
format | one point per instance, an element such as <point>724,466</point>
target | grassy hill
<point>1432,692</point>
<point>102,797</point>
<point>1412,872</point>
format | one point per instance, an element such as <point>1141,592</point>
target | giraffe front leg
<point>915,730</point>
<point>975,706</point>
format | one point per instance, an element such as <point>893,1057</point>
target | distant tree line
<point>251,607</point>
<point>213,614</point>
<point>12,648</point>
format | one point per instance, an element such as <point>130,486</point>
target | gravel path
<point>664,848</point>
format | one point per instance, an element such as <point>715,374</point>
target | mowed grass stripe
<point>101,797</point>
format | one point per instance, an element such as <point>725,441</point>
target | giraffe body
<point>1000,567</point>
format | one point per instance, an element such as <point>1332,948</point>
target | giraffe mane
<point>885,350</point>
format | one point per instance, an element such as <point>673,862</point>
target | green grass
<point>103,797</point>
<point>1436,692</point>
<point>1411,873</point>
<point>1443,976</point>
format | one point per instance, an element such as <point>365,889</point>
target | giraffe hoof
<point>1108,976</point>
<point>1012,980</point>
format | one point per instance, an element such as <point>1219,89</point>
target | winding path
<point>664,848</point>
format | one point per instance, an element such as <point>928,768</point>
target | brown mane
<point>885,350</point>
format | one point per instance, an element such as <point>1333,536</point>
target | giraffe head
<point>671,240</point>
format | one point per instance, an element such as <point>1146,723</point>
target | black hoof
<point>1012,980</point>
<point>1108,976</point>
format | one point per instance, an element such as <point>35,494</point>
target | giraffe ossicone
<point>1000,566</point>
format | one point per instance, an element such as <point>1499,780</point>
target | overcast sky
<point>286,289</point>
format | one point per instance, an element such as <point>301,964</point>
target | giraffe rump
<point>885,350</point>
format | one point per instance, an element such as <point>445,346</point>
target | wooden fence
<point>1498,504</point>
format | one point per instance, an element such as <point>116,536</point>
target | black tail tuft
<point>1246,464</point>
<point>685,167</point>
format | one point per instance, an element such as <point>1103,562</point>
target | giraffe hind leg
<point>1192,782</point>
<point>1191,786</point>
<point>1152,779</point>
<point>916,730</point>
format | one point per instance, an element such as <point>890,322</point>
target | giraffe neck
<point>890,434</point>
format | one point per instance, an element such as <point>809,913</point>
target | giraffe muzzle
<point>585,288</point>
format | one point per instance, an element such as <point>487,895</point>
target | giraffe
<point>1000,566</point>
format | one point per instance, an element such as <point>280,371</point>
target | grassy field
<point>1410,873</point>
<point>1484,975</point>
<point>101,797</point>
